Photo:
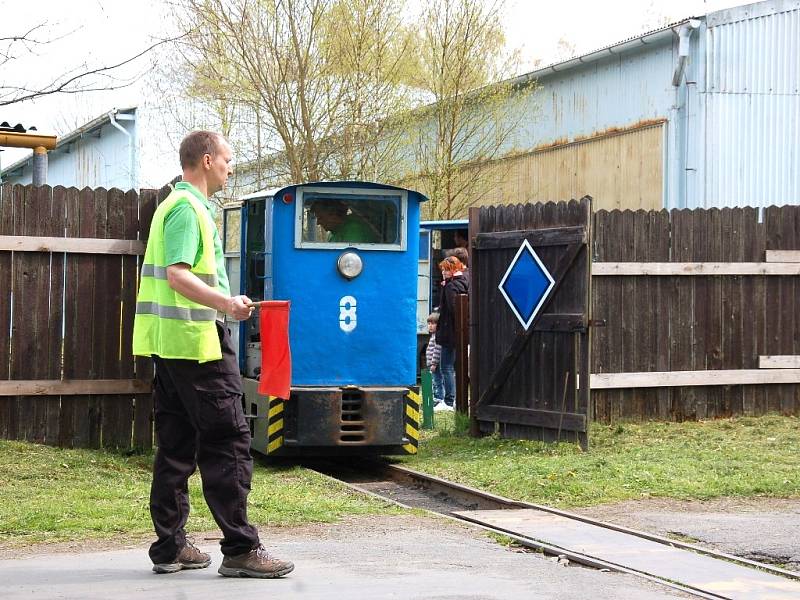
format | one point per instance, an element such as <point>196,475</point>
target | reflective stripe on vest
<point>166,323</point>
<point>161,273</point>
<point>176,312</point>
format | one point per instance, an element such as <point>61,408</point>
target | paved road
<point>762,529</point>
<point>389,557</point>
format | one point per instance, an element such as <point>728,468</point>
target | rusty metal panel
<point>622,169</point>
<point>383,412</point>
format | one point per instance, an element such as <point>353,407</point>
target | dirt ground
<point>762,529</point>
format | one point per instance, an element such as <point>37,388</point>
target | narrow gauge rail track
<point>412,489</point>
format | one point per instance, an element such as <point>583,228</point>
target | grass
<point>740,457</point>
<point>50,494</point>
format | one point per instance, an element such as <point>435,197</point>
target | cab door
<point>231,245</point>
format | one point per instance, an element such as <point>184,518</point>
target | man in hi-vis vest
<point>183,298</point>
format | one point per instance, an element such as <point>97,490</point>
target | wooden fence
<point>68,273</point>
<point>698,335</point>
<point>68,280</point>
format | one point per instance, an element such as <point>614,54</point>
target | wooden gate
<point>526,383</point>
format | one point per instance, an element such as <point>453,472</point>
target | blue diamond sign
<point>526,284</point>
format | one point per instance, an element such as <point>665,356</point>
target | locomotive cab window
<point>339,218</point>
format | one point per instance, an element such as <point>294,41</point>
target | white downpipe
<point>131,147</point>
<point>684,33</point>
<point>679,120</point>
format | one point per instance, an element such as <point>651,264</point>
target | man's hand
<point>238,309</point>
<point>433,368</point>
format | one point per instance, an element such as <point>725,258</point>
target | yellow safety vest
<point>168,324</point>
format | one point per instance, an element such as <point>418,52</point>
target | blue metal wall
<point>752,107</point>
<point>612,92</point>
<point>101,158</point>
<point>732,125</point>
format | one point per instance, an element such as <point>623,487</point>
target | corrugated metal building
<point>126,148</point>
<point>702,113</point>
<point>101,153</point>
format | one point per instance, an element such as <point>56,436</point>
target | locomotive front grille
<point>351,428</point>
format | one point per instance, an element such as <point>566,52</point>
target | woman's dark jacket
<point>446,332</point>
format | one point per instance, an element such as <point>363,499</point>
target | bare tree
<point>472,118</point>
<point>374,58</point>
<point>565,49</point>
<point>330,89</point>
<point>317,79</point>
<point>79,79</point>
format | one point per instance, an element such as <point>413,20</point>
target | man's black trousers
<point>199,422</point>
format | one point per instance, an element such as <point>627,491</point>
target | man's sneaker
<point>256,563</point>
<point>189,557</point>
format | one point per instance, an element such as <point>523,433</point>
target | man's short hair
<point>197,144</point>
<point>329,206</point>
<point>461,254</point>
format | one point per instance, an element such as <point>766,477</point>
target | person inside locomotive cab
<point>342,224</point>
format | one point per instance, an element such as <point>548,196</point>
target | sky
<point>101,32</point>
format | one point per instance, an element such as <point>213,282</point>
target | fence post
<point>474,227</point>
<point>427,399</point>
<point>462,353</point>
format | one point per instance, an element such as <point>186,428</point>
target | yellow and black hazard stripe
<point>413,420</point>
<point>275,424</point>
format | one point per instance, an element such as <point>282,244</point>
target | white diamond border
<point>526,246</point>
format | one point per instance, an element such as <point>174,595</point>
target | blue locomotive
<point>345,254</point>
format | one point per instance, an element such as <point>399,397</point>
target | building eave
<point>79,133</point>
<point>650,38</point>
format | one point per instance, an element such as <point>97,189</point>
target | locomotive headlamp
<point>349,264</point>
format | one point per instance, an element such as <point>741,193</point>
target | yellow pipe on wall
<point>27,140</point>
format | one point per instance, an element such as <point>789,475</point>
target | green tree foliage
<point>475,109</point>
<point>354,89</point>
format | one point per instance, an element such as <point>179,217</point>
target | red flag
<point>276,357</point>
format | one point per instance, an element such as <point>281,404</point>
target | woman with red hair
<point>454,284</point>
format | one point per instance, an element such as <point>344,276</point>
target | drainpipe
<point>684,33</point>
<point>679,121</point>
<point>39,165</point>
<point>131,147</point>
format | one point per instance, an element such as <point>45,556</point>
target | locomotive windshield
<point>337,219</point>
